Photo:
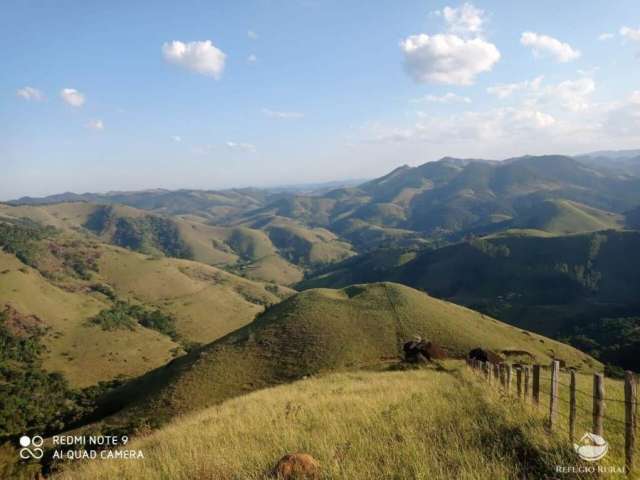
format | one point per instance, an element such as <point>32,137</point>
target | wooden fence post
<point>572,406</point>
<point>526,382</point>
<point>536,384</point>
<point>496,372</point>
<point>630,398</point>
<point>486,367</point>
<point>519,381</point>
<point>598,404</point>
<point>509,375</point>
<point>553,394</point>
<point>503,375</point>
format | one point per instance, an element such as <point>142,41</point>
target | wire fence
<point>570,405</point>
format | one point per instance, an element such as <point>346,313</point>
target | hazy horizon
<point>276,185</point>
<point>96,97</point>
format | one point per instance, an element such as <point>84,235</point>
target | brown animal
<point>485,355</point>
<point>297,466</point>
<point>418,351</point>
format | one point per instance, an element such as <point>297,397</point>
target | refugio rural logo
<point>591,447</point>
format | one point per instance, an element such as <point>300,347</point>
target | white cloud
<point>494,125</point>
<point>629,33</point>
<point>505,90</point>
<point>176,138</point>
<point>635,97</point>
<point>244,147</point>
<point>465,20</point>
<point>252,58</point>
<point>447,58</point>
<point>96,125</point>
<point>73,97</point>
<point>30,93</point>
<point>279,114</point>
<point>201,57</point>
<point>544,45</point>
<point>605,36</point>
<point>252,35</point>
<point>448,97</point>
<point>571,94</point>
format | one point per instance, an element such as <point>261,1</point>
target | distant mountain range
<point>619,161</point>
<point>395,227</point>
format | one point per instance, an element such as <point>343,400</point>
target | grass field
<point>614,411</point>
<point>322,331</point>
<point>439,422</point>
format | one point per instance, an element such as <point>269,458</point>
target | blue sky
<point>99,96</point>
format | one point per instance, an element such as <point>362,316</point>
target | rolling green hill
<point>564,217</point>
<point>64,279</point>
<point>361,326</point>
<point>560,286</point>
<point>276,251</point>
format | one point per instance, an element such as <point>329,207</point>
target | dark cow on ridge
<point>485,355</point>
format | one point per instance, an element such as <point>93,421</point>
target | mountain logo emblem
<point>591,447</point>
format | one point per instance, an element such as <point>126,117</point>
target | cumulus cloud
<point>96,125</point>
<point>244,147</point>
<point>252,58</point>
<point>30,93</point>
<point>176,138</point>
<point>571,94</point>
<point>605,36</point>
<point>72,97</point>
<point>472,126</point>
<point>544,45</point>
<point>635,97</point>
<point>464,20</point>
<point>200,57</point>
<point>505,90</point>
<point>252,35</point>
<point>448,97</point>
<point>280,114</point>
<point>447,58</point>
<point>629,33</point>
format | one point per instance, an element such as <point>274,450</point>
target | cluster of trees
<point>20,238</point>
<point>34,400</point>
<point>148,234</point>
<point>124,315</point>
<point>615,341</point>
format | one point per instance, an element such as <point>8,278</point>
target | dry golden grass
<point>432,423</point>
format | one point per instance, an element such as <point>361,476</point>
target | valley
<point>129,311</point>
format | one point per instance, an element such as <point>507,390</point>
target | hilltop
<point>276,251</point>
<point>318,331</point>
<point>574,287</point>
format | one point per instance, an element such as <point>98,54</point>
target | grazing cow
<point>485,355</point>
<point>420,351</point>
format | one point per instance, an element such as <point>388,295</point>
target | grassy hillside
<point>326,330</point>
<point>433,423</point>
<point>277,250</point>
<point>566,217</point>
<point>560,286</point>
<point>64,280</point>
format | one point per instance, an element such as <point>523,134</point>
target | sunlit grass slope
<point>423,424</point>
<point>566,217</point>
<point>85,354</point>
<point>206,303</point>
<point>327,330</point>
